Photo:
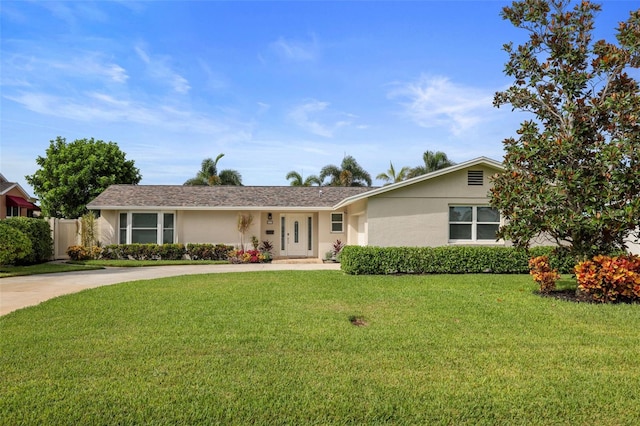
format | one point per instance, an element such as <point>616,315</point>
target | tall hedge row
<point>38,232</point>
<point>358,260</point>
<point>15,246</point>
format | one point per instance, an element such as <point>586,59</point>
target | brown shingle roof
<point>212,197</point>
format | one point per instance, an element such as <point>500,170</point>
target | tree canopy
<point>349,173</point>
<point>72,174</point>
<point>573,171</point>
<point>296,179</point>
<point>209,175</point>
<point>433,160</point>
<point>393,176</point>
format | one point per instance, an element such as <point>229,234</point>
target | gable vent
<point>475,177</point>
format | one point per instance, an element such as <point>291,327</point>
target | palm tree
<point>348,174</point>
<point>297,180</point>
<point>208,174</point>
<point>432,161</point>
<point>392,177</point>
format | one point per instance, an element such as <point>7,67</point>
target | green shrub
<point>39,233</point>
<point>358,260</point>
<point>15,246</point>
<point>144,251</point>
<point>171,251</point>
<point>209,251</point>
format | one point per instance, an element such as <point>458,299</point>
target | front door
<point>296,235</point>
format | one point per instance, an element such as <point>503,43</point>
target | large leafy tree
<point>349,173</point>
<point>432,161</point>
<point>393,176</point>
<point>72,174</point>
<point>573,172</point>
<point>209,175</point>
<point>296,179</point>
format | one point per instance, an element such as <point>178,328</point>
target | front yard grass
<point>43,268</point>
<point>120,263</point>
<point>284,348</point>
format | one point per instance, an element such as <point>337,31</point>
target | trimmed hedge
<point>358,260</point>
<point>15,246</point>
<point>144,251</point>
<point>39,233</point>
<point>209,251</point>
<point>166,251</point>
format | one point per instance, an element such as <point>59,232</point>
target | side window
<point>167,228</point>
<point>473,223</point>
<point>337,222</point>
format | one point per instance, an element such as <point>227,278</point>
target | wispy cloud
<point>314,117</point>
<point>39,66</point>
<point>102,107</point>
<point>158,68</point>
<point>296,50</point>
<point>74,12</point>
<point>438,102</point>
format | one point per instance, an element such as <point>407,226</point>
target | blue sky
<point>275,86</point>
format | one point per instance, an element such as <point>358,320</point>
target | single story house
<point>445,207</point>
<point>15,201</point>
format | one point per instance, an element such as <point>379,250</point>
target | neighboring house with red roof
<point>445,207</point>
<point>15,201</point>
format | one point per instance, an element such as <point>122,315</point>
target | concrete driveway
<point>20,292</point>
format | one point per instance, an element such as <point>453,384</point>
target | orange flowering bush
<point>540,270</point>
<point>610,279</point>
<point>84,252</point>
<point>248,256</point>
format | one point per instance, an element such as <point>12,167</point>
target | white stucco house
<point>445,207</point>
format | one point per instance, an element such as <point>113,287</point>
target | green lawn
<point>279,348</point>
<point>119,263</point>
<point>43,268</point>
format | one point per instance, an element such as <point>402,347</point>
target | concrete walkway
<point>20,292</point>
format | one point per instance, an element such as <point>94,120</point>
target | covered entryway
<point>296,235</point>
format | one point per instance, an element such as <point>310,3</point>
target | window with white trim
<point>473,223</point>
<point>146,228</point>
<point>13,211</point>
<point>337,220</point>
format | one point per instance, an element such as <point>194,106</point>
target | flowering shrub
<point>610,279</point>
<point>83,252</point>
<point>249,256</point>
<point>540,270</point>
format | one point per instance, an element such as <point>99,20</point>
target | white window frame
<point>11,210</point>
<point>160,225</point>
<point>474,224</point>
<point>341,222</point>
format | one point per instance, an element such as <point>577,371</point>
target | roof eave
<point>212,208</point>
<point>456,167</point>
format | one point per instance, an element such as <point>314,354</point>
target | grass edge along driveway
<point>281,348</point>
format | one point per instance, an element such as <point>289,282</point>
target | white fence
<point>65,233</point>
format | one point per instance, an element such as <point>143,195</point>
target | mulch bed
<point>567,295</point>
<point>575,296</point>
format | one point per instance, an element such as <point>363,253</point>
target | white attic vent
<point>475,177</point>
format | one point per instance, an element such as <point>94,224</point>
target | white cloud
<point>101,107</point>
<point>316,117</point>
<point>74,12</point>
<point>302,116</point>
<point>89,65</point>
<point>295,50</point>
<point>438,102</point>
<point>158,68</point>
